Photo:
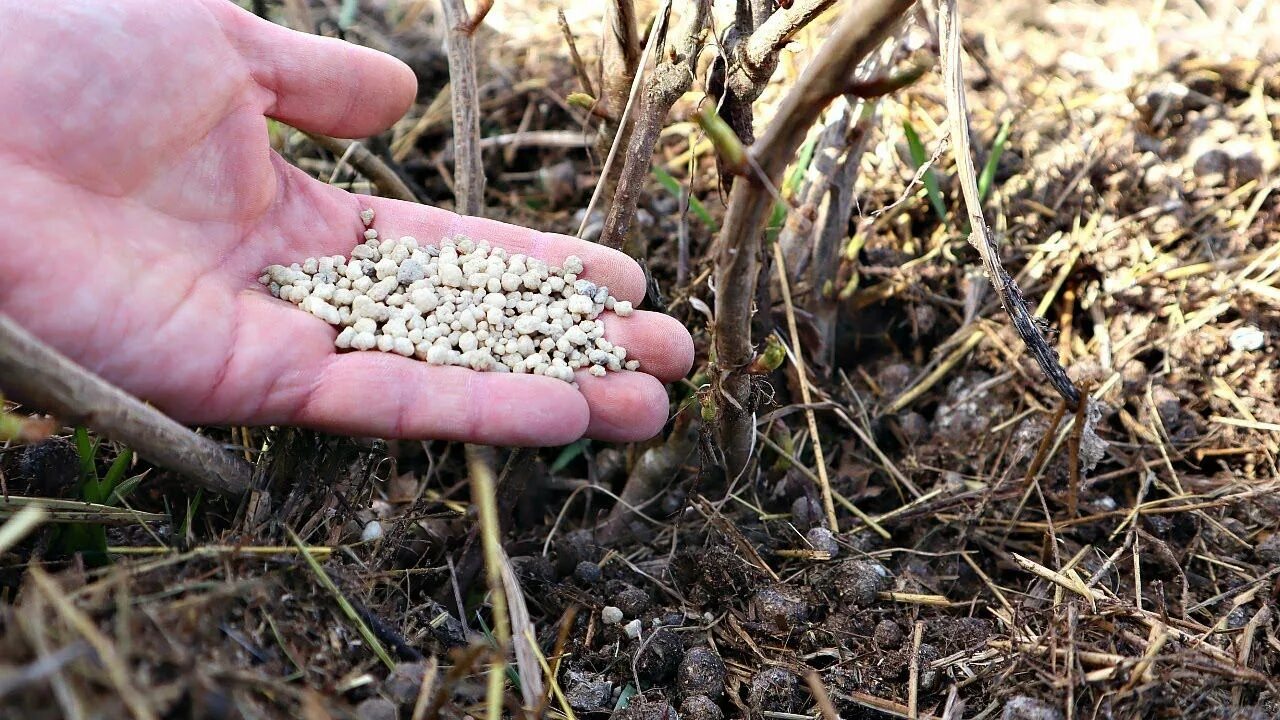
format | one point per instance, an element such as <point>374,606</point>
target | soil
<point>997,564</point>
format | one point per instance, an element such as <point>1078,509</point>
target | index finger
<point>602,265</point>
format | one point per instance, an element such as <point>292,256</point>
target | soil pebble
<point>778,610</point>
<point>700,707</point>
<point>774,689</point>
<point>377,708</point>
<point>588,692</point>
<point>1021,707</point>
<point>401,686</point>
<point>701,673</point>
<point>857,581</point>
<point>631,600</point>
<point>611,615</point>
<point>822,539</point>
<point>888,634</point>
<point>587,572</point>
<point>806,512</point>
<point>656,661</point>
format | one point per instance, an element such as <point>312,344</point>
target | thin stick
<point>913,684</point>
<point>578,66</point>
<point>468,172</point>
<point>367,164</point>
<point>45,378</point>
<point>824,482</point>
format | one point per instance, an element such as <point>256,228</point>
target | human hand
<point>142,200</point>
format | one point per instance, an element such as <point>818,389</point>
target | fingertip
<point>625,406</point>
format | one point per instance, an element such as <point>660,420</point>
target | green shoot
<point>696,207</point>
<point>993,161</point>
<point>920,158</point>
<point>568,454</point>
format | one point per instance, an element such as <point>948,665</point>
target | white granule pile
<point>462,303</point>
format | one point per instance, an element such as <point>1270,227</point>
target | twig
<point>367,164</point>
<point>820,697</point>
<point>604,188</point>
<point>913,682</point>
<point>856,34</point>
<point>981,237</point>
<point>751,56</point>
<point>672,76</point>
<point>468,173</point>
<point>578,65</point>
<point>45,378</point>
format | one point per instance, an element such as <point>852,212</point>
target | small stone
<point>401,686</point>
<point>1021,707</point>
<point>701,672</point>
<point>700,707</point>
<point>888,635</point>
<point>610,615</point>
<point>377,708</point>
<point>820,538</point>
<point>779,610</point>
<point>588,692</point>
<point>658,660</point>
<point>633,628</point>
<point>372,531</point>
<point>774,689</point>
<point>1247,339</point>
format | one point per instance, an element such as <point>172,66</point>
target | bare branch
<point>751,56</point>
<point>672,76</point>
<point>578,66</point>
<point>981,237</point>
<point>738,261</point>
<point>469,167</point>
<point>367,164</point>
<point>39,375</point>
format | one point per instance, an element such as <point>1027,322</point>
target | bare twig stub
<point>468,165</point>
<point>671,77</point>
<point>738,259</point>
<point>982,239</point>
<point>37,374</point>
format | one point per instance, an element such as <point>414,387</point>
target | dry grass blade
<point>347,609</point>
<point>797,357</point>
<point>20,525</point>
<point>522,633</point>
<point>982,238</point>
<point>117,671</point>
<point>484,496</point>
<point>75,511</point>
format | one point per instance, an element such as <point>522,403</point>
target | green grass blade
<point>989,170</point>
<point>369,638</point>
<point>115,473</point>
<point>696,207</point>
<point>568,454</point>
<point>920,157</point>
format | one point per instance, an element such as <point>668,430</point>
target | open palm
<point>142,199</point>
